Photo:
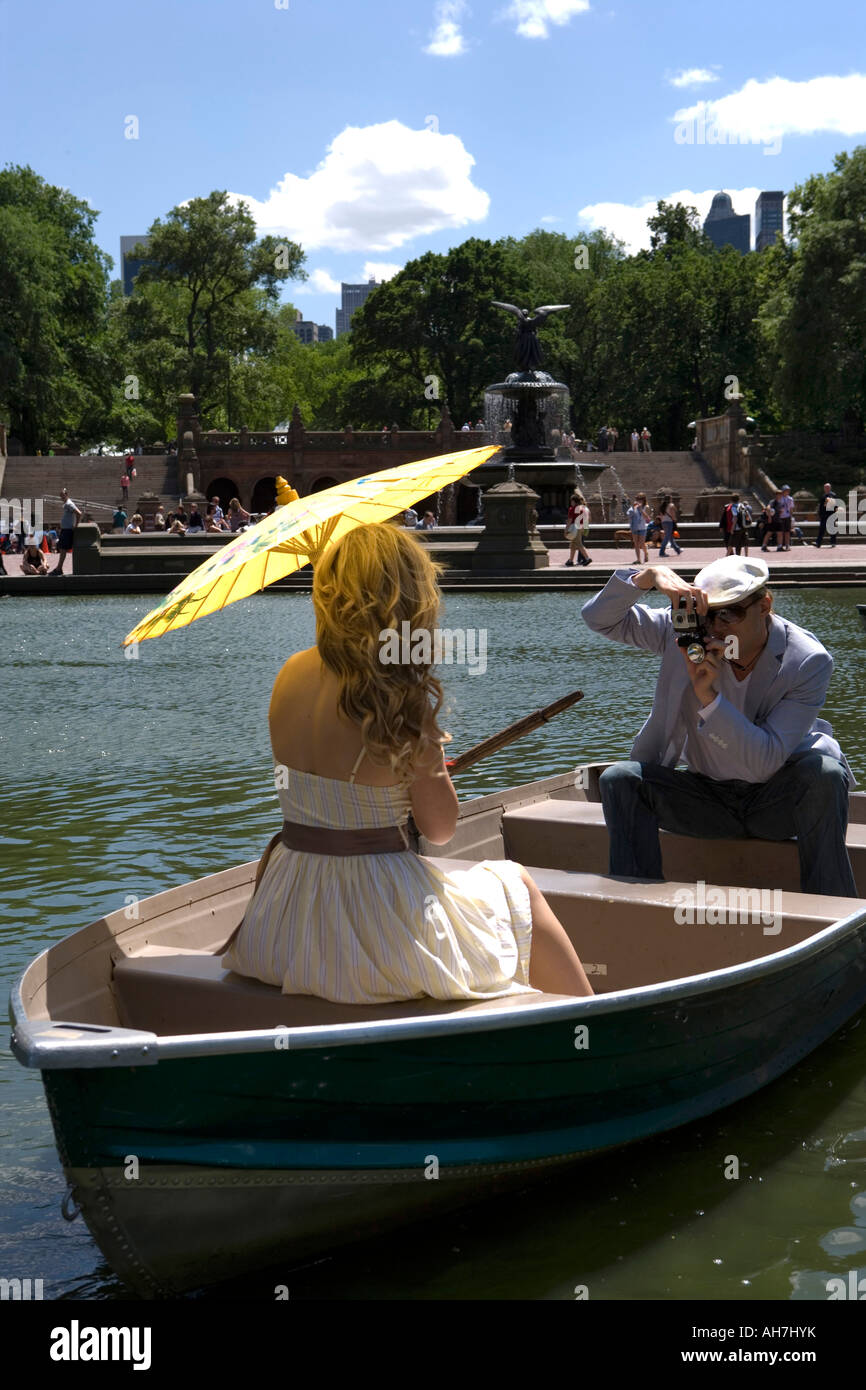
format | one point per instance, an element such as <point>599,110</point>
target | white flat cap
<point>732,579</point>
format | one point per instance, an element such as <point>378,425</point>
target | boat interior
<point>157,967</point>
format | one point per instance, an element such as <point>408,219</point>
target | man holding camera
<point>737,700</point>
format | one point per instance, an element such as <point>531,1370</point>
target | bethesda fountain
<point>534,474</point>
<point>528,413</point>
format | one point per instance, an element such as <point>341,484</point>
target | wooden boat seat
<point>174,992</point>
<point>626,933</point>
<point>571,834</point>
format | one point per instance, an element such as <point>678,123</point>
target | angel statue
<point>528,347</point>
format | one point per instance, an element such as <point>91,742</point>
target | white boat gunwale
<point>36,1044</point>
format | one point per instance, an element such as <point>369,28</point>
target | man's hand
<point>704,675</point>
<point>669,583</point>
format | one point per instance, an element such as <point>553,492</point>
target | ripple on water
<point>156,771</point>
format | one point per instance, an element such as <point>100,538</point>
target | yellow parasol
<point>296,535</point>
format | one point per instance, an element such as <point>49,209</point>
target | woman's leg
<point>554,965</point>
<point>636,542</point>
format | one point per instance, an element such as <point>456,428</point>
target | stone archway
<point>467,504</point>
<point>321,483</point>
<point>264,497</point>
<point>223,488</point>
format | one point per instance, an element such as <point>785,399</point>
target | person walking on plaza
<point>742,529</point>
<point>760,762</point>
<point>124,487</point>
<point>669,522</point>
<point>118,521</point>
<point>726,523</point>
<point>639,516</point>
<point>612,437</point>
<point>646,440</point>
<point>826,507</point>
<point>577,529</point>
<point>635,442</point>
<point>784,513</point>
<point>69,519</point>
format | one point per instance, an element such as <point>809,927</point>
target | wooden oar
<point>512,732</point>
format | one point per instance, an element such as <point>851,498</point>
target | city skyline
<point>421,128</point>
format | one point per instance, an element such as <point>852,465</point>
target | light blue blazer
<point>786,691</point>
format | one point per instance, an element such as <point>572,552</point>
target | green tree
<point>433,329</point>
<point>54,376</point>
<point>203,300</point>
<point>673,225</point>
<point>813,316</point>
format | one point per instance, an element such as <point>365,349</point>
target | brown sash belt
<point>317,839</point>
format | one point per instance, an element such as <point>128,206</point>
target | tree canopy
<point>652,338</point>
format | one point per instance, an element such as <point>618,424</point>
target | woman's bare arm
<point>434,801</point>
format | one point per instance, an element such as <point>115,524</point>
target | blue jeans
<point>668,536</point>
<point>806,799</point>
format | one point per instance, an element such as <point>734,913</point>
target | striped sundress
<point>373,928</point>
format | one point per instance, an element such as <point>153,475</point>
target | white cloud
<point>628,221</point>
<point>447,39</point>
<point>768,110</point>
<point>377,188</point>
<point>535,16</point>
<point>320,282</point>
<point>692,77</point>
<point>380,270</point>
<point>549,220</point>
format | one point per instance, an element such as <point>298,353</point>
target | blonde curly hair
<point>373,580</point>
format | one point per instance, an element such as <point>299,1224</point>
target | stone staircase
<point>93,481</point>
<point>677,471</point>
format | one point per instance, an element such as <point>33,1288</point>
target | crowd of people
<point>640,441</point>
<point>181,521</point>
<point>774,525</point>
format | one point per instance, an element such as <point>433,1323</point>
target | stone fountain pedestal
<point>510,542</point>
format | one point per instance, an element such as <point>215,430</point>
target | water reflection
<point>129,776</point>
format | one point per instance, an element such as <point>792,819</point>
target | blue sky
<point>374,130</point>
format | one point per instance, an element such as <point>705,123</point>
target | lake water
<point>129,776</point>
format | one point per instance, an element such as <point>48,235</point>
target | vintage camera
<point>691,632</point>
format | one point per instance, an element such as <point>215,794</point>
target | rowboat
<point>209,1125</point>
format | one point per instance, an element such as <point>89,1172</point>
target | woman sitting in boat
<point>343,909</point>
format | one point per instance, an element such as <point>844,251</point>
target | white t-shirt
<point>704,751</point>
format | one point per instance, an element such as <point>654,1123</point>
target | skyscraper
<point>768,219</point>
<point>725,227</point>
<point>310,332</point>
<point>353,298</point>
<point>129,268</point>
